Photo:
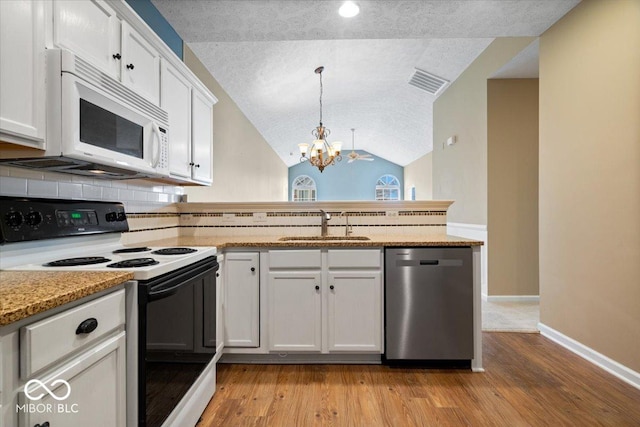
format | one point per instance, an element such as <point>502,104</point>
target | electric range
<point>171,334</point>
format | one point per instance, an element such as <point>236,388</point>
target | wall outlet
<point>228,217</point>
<point>186,218</point>
<point>392,214</point>
<point>259,217</point>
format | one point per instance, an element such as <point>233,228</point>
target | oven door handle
<point>164,293</point>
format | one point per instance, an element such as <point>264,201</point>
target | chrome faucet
<point>324,218</point>
<point>347,227</point>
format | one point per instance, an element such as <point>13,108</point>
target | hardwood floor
<point>529,381</point>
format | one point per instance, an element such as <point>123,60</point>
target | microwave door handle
<point>156,145</point>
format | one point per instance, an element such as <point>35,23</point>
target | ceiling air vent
<point>427,82</point>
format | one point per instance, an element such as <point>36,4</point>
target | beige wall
<point>590,178</point>
<point>419,174</point>
<point>460,170</point>
<point>245,167</point>
<point>512,206</point>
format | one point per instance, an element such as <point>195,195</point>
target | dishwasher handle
<point>429,262</point>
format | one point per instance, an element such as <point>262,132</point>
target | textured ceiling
<point>264,53</point>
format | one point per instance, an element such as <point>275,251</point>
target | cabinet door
<point>355,311</point>
<point>242,296</point>
<point>175,99</point>
<point>97,396</point>
<point>91,29</point>
<point>140,67</point>
<point>202,138</point>
<point>22,49</point>
<point>295,311</point>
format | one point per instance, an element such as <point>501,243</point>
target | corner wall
<point>419,174</point>
<point>512,208</point>
<point>590,178</point>
<point>245,167</point>
<point>460,170</point>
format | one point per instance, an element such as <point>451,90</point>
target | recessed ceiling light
<point>348,9</point>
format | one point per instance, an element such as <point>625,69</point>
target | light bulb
<point>348,9</point>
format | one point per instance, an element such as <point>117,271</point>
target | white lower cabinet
<point>241,299</point>
<point>355,311</point>
<point>67,367</point>
<point>295,311</point>
<point>96,386</point>
<point>325,301</point>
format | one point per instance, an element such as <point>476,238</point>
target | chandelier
<point>322,153</point>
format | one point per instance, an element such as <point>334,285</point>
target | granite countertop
<point>222,242</point>
<point>25,293</point>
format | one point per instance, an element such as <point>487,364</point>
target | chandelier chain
<point>320,98</point>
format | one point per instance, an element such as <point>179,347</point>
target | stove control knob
<point>122,216</point>
<point>111,216</point>
<point>14,219</point>
<point>33,218</point>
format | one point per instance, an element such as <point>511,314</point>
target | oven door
<point>177,324</point>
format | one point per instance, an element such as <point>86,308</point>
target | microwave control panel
<point>163,160</point>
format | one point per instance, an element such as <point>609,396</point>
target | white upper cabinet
<point>140,68</point>
<point>175,99</point>
<point>22,49</point>
<point>202,138</point>
<point>92,30</point>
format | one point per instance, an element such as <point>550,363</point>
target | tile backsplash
<point>137,195</point>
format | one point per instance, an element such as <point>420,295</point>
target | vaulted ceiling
<point>264,53</point>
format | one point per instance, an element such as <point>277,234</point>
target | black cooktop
<point>174,251</point>
<point>71,262</point>
<point>131,250</point>
<point>133,263</point>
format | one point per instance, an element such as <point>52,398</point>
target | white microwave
<point>98,127</point>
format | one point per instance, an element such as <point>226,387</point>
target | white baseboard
<point>476,232</point>
<point>511,298</point>
<point>615,368</point>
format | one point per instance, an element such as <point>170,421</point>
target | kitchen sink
<point>322,238</point>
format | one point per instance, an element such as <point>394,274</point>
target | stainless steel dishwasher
<point>428,304</point>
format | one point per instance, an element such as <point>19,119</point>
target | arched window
<point>388,188</point>
<point>304,189</point>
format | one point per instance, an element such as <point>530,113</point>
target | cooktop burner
<point>135,262</point>
<point>131,250</point>
<point>70,262</point>
<point>174,251</point>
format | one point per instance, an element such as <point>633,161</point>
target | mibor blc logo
<point>41,385</point>
<point>59,389</point>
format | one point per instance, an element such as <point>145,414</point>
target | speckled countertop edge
<point>224,242</point>
<point>25,293</point>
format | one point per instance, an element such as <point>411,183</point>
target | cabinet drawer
<point>45,342</point>
<point>354,258</point>
<point>295,259</point>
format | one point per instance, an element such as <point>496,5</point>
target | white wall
<point>419,174</point>
<point>245,167</point>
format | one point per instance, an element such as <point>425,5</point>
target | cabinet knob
<point>191,164</point>
<point>44,424</point>
<point>331,287</point>
<point>217,274</point>
<point>197,166</point>
<point>117,56</point>
<point>87,326</point>
<point>253,269</point>
<point>317,288</point>
<point>130,67</point>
